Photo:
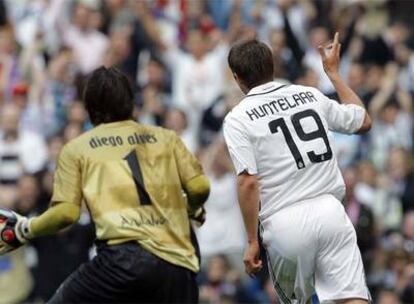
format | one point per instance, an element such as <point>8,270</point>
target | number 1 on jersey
<point>133,164</point>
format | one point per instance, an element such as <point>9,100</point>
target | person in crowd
<point>21,151</point>
<point>400,174</point>
<point>361,217</point>
<point>221,283</point>
<point>388,297</point>
<point>374,191</point>
<point>391,109</point>
<point>83,37</point>
<point>176,120</point>
<point>222,232</point>
<point>173,53</point>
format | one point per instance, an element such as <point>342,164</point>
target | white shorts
<point>311,246</point>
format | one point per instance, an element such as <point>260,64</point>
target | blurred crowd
<point>174,52</point>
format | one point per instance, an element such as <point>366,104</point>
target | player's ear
<point>240,83</point>
<point>237,79</point>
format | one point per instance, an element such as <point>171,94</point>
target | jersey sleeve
<point>67,185</point>
<point>188,166</point>
<point>343,118</point>
<point>239,146</point>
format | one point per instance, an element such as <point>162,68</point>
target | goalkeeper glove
<point>14,230</point>
<point>199,217</point>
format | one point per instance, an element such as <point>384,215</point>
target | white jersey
<point>280,133</point>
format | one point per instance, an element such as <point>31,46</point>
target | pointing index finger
<point>336,42</point>
<point>336,39</point>
<point>321,50</point>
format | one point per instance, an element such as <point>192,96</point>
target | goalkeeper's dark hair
<point>252,62</point>
<point>108,96</point>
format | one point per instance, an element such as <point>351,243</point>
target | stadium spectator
<point>286,65</point>
<point>9,74</point>
<point>223,231</point>
<point>221,283</point>
<point>388,297</point>
<point>373,190</point>
<point>21,151</point>
<point>198,77</point>
<point>391,109</point>
<point>213,117</point>
<point>361,217</point>
<point>77,115</point>
<point>13,268</point>
<point>318,36</point>
<point>399,171</point>
<point>174,52</point>
<point>176,120</point>
<point>82,36</point>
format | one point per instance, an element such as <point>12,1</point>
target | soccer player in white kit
<point>288,177</point>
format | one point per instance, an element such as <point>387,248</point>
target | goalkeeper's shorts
<point>128,273</point>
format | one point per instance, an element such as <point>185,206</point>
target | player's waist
<point>270,208</point>
<point>131,249</point>
<point>183,257</point>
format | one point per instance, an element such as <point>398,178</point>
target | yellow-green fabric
<point>55,218</point>
<point>132,177</point>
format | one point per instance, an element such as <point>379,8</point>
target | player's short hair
<point>252,61</point>
<point>108,96</point>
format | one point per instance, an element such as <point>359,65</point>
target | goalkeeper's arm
<point>197,190</point>
<point>16,230</point>
<point>57,217</point>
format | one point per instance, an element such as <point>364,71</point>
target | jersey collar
<point>265,88</point>
<point>119,123</point>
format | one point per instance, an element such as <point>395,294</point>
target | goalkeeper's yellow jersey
<point>131,178</point>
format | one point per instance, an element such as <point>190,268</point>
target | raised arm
<point>291,39</point>
<point>389,86</point>
<point>331,59</point>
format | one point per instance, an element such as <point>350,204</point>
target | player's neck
<point>257,85</point>
<point>262,83</point>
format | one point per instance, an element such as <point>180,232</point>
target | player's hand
<point>331,56</point>
<point>252,262</point>
<point>199,217</point>
<point>13,230</point>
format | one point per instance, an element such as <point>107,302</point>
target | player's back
<point>131,176</point>
<point>280,132</point>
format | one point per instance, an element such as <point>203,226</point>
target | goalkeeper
<point>132,179</point>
